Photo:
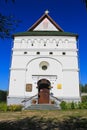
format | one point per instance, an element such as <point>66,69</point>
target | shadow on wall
<point>36,123</point>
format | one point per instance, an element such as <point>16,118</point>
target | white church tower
<point>44,67</point>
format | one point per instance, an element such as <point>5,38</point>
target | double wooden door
<point>43,96</point>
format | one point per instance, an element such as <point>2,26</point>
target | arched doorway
<point>43,91</point>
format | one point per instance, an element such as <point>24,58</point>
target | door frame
<point>43,84</point>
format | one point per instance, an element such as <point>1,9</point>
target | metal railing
<point>27,99</point>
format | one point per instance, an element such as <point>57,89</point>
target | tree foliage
<point>7,25</point>
<point>85,1</point>
<point>3,96</point>
<point>83,88</point>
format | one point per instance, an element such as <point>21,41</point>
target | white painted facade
<point>58,53</point>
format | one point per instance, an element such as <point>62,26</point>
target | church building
<point>44,68</point>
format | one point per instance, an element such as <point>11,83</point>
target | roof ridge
<point>40,20</point>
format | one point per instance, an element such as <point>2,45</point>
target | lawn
<point>44,120</point>
<point>46,114</point>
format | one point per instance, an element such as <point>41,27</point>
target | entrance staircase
<point>27,103</point>
<point>42,107</point>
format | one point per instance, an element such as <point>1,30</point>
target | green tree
<point>83,88</point>
<point>7,24</point>
<point>85,1</point>
<point>3,96</point>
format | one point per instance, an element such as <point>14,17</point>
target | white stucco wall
<point>17,83</point>
<point>62,69</point>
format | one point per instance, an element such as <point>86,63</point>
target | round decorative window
<point>44,65</point>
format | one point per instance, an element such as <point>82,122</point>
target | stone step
<point>42,107</point>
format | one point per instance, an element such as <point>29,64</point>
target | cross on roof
<point>47,11</point>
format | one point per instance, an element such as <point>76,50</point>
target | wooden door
<point>43,97</point>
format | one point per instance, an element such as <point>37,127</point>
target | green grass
<point>69,119</point>
<point>44,120</point>
<point>46,114</point>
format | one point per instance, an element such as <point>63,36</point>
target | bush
<point>84,98</point>
<point>80,105</point>
<point>72,105</point>
<point>63,105</point>
<point>84,105</point>
<point>3,106</point>
<point>15,107</point>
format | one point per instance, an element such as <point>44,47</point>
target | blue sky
<point>71,15</point>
